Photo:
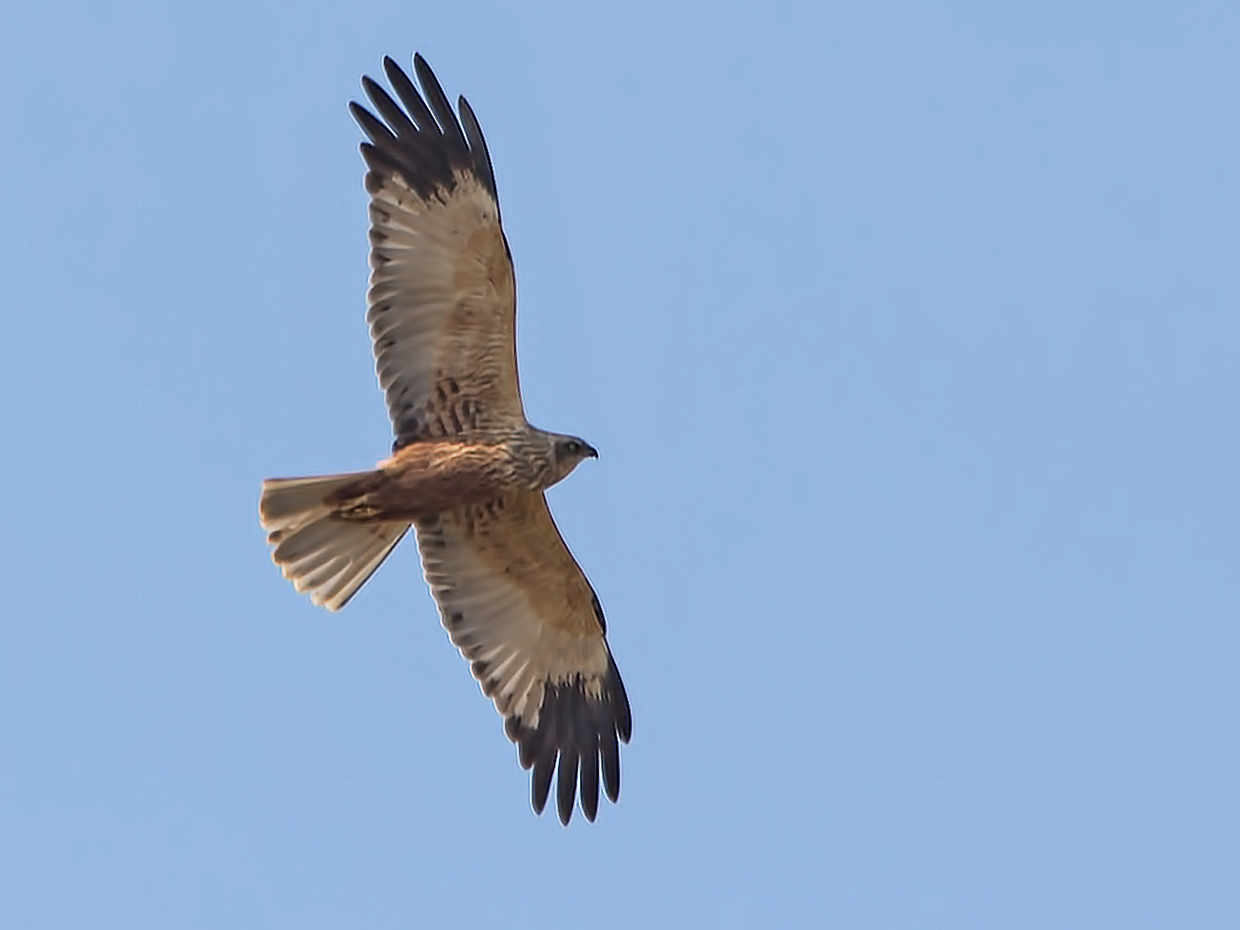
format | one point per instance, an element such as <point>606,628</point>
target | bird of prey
<point>467,470</point>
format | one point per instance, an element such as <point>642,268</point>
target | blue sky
<point>908,333</point>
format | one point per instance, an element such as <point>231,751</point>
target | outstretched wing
<point>518,606</point>
<point>442,294</point>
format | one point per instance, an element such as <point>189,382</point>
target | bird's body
<point>467,471</point>
<point>435,476</point>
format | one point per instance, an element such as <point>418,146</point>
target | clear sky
<point>910,337</point>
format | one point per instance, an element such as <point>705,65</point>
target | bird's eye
<point>573,446</point>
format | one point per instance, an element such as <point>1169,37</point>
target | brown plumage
<point>467,470</point>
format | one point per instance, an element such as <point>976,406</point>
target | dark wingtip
<point>566,787</point>
<point>587,768</point>
<point>421,137</point>
<point>609,757</point>
<point>540,783</point>
<point>435,97</point>
<point>620,699</point>
<point>581,723</point>
<point>374,128</point>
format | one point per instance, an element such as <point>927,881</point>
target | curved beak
<point>591,451</point>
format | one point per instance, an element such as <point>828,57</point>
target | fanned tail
<point>328,557</point>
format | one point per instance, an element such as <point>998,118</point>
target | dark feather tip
<point>581,723</point>
<point>418,136</point>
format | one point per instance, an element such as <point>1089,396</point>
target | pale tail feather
<point>327,557</point>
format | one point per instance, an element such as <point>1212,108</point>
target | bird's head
<point>569,453</point>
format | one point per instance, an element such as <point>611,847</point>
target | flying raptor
<point>467,470</point>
